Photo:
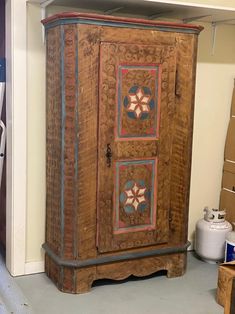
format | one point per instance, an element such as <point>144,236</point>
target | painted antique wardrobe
<point>120,98</point>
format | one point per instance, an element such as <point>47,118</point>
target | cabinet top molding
<point>116,21</point>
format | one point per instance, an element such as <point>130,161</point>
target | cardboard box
<point>233,102</point>
<point>227,203</point>
<point>230,298</point>
<point>229,153</point>
<point>228,180</point>
<point>227,195</point>
<point>229,166</point>
<point>225,282</point>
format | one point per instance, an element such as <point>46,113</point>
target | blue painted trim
<point>134,162</point>
<point>63,116</point>
<point>115,258</point>
<point>119,126</point>
<point>137,162</point>
<point>2,70</point>
<point>61,277</point>
<point>119,24</point>
<point>117,194</point>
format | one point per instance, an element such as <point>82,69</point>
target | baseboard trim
<point>191,247</point>
<point>34,267</point>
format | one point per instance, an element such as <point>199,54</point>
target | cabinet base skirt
<point>79,280</point>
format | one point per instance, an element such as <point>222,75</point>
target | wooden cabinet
<point>120,96</point>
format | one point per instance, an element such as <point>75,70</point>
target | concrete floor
<point>12,299</point>
<point>193,293</point>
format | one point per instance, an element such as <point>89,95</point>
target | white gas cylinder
<point>210,235</point>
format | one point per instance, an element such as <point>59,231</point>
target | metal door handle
<point>108,155</point>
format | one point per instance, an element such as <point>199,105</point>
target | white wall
<point>215,76</point>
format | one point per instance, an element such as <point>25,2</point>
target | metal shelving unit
<point>152,9</point>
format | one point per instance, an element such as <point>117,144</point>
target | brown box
<point>225,279</point>
<point>227,202</point>
<point>233,102</point>
<point>228,181</point>
<point>229,153</point>
<point>229,166</point>
<point>230,298</point>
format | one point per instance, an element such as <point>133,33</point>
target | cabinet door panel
<point>135,188</point>
<point>136,108</point>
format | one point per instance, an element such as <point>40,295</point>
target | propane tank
<point>210,236</point>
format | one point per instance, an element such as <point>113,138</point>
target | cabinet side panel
<point>69,138</point>
<point>182,136</point>
<point>53,141</point>
<point>88,72</point>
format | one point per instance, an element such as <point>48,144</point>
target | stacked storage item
<point>227,196</point>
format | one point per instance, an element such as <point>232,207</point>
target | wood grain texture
<point>88,71</point>
<point>54,272</point>
<point>69,125</point>
<point>81,280</point>
<point>53,141</point>
<point>82,62</point>
<point>229,306</point>
<point>182,140</point>
<point>232,299</point>
<point>174,264</point>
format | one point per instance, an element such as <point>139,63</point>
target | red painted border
<point>109,18</point>
<point>159,74</point>
<point>155,188</point>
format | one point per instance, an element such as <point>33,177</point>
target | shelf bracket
<point>157,15</point>
<point>111,11</point>
<point>194,18</point>
<point>214,31</point>
<point>44,4</point>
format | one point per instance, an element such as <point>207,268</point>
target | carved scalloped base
<point>79,280</point>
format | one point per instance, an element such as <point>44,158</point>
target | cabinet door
<point>136,110</point>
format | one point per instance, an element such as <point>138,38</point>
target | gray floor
<point>12,299</point>
<point>194,293</point>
